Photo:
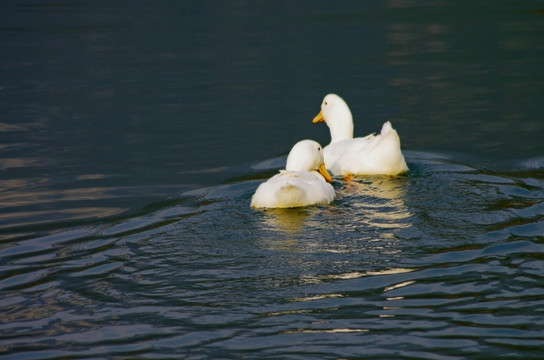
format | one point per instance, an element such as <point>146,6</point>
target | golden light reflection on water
<point>365,216</point>
<point>376,201</point>
<point>316,279</point>
<point>34,196</point>
<point>287,220</point>
<point>330,331</point>
<point>27,218</point>
<point>317,297</point>
<point>359,274</point>
<point>387,311</point>
<point>398,286</point>
<point>32,201</point>
<point>379,201</point>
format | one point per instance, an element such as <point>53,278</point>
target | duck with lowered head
<point>305,181</point>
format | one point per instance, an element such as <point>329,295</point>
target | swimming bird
<point>370,155</point>
<point>305,181</point>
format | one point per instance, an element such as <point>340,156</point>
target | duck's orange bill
<point>318,118</point>
<point>323,171</point>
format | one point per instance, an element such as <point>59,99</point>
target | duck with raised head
<point>370,155</point>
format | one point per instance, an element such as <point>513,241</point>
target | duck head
<point>336,114</point>
<point>307,155</point>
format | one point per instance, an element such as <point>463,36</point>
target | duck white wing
<point>293,189</point>
<point>372,155</point>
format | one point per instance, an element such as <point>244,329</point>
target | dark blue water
<point>132,136</point>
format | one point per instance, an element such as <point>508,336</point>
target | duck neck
<point>342,128</point>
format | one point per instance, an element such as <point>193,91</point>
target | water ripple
<point>448,257</point>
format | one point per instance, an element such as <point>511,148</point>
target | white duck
<point>371,155</point>
<point>305,181</point>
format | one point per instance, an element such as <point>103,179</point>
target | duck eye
<point>325,103</point>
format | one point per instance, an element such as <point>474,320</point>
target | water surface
<point>132,137</point>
